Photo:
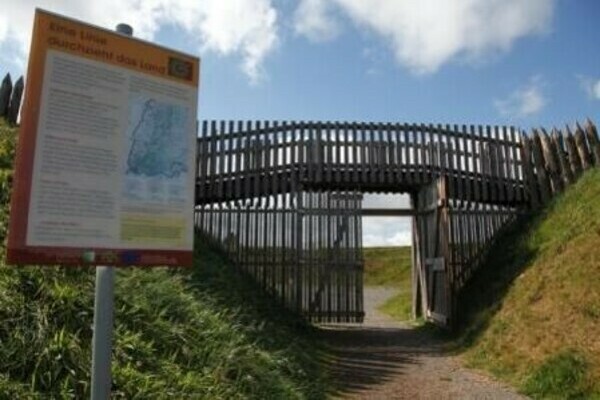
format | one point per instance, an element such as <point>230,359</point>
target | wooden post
<point>417,310</point>
<point>592,135</point>
<point>584,153</point>
<point>566,173</point>
<point>552,166</point>
<point>574,160</point>
<point>540,169</point>
<point>15,102</point>
<point>5,91</point>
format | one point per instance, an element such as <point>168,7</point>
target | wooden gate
<point>304,249</point>
<point>432,274</point>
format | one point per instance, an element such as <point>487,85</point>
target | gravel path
<point>386,359</point>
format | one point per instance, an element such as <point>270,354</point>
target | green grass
<point>533,313</point>
<point>399,307</point>
<point>387,266</point>
<point>391,267</point>
<point>202,332</point>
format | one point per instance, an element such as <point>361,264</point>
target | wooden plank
<point>391,146</point>
<point>517,165</point>
<point>492,164</point>
<point>507,164</point>
<point>356,153</point>
<point>202,160</point>
<point>456,155</point>
<point>573,154</point>
<point>497,168</point>
<point>347,154</point>
<point>220,168</point>
<point>540,169</point>
<point>593,140</point>
<point>12,114</point>
<point>239,160</point>
<point>565,170</point>
<point>551,159</point>
<point>276,162</point>
<point>338,152</point>
<point>407,175</point>
<point>400,162</point>
<point>5,91</point>
<point>299,248</point>
<point>425,172</point>
<point>230,155</point>
<point>582,148</point>
<point>483,163</point>
<point>474,144</point>
<point>312,157</point>
<point>387,212</point>
<point>531,183</point>
<point>372,154</point>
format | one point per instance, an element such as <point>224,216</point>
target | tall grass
<point>179,333</point>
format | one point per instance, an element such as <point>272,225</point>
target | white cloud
<point>313,19</point>
<point>386,231</point>
<point>525,101</point>
<point>591,86</point>
<point>425,34</point>
<point>247,28</point>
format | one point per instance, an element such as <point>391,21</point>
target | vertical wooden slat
<point>5,91</point>
<point>565,170</point>
<point>338,152</point>
<point>573,154</point>
<point>516,165</point>
<point>12,113</point>
<point>540,169</point>
<point>551,162</point>
<point>582,148</point>
<point>594,141</point>
<point>531,183</point>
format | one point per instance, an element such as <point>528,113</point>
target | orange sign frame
<point>54,32</point>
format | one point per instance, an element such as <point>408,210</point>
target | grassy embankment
<point>534,310</point>
<point>391,266</point>
<point>197,333</point>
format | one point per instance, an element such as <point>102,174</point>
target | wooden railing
<point>239,160</point>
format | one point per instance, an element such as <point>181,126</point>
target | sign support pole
<point>103,315</point>
<point>103,329</point>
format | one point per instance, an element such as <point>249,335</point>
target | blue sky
<point>519,62</point>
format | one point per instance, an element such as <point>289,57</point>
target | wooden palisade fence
<point>10,99</point>
<point>269,186</point>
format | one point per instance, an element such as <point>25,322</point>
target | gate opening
<point>387,255</point>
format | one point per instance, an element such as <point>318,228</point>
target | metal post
<point>103,328</point>
<point>103,315</point>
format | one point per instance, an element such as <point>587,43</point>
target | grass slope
<point>197,333</point>
<point>534,311</point>
<point>391,266</point>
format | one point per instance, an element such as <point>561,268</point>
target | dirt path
<point>385,359</point>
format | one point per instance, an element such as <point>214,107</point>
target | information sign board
<point>105,167</point>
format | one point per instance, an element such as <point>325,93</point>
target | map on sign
<point>156,151</point>
<point>158,145</point>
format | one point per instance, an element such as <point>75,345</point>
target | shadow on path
<point>362,357</point>
<point>386,359</point>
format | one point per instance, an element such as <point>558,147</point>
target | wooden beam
<point>387,212</point>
